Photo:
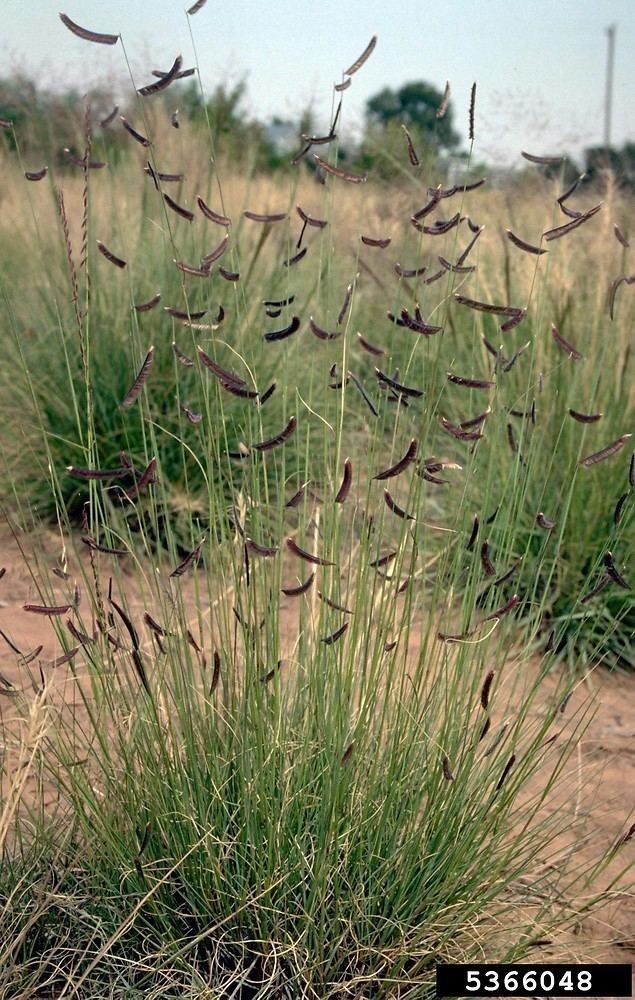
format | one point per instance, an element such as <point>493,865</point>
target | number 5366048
<point>523,981</point>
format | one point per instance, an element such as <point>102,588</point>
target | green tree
<point>236,134</point>
<point>47,120</point>
<point>223,105</point>
<point>415,105</point>
<point>620,162</point>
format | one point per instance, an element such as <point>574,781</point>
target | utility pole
<point>608,98</point>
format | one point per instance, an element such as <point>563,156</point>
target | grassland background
<point>326,814</point>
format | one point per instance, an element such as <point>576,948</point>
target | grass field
<point>330,524</point>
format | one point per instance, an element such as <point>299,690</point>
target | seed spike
<point>52,611</point>
<point>302,589</point>
<point>346,756</point>
<point>266,551</point>
<point>88,36</point>
<point>359,62</point>
<point>619,507</point>
<point>486,562</point>
<point>278,439</point>
<point>140,380</point>
<point>220,220</point>
<point>309,220</point>
<point>293,546</point>
<point>399,387</point>
<point>485,690</point>
<point>344,175</point>
<point>604,453</point>
<point>328,640</point>
<point>334,604</point>
<point>370,348</point>
<point>412,153</point>
<point>445,100</point>
<point>109,119</point>
<point>110,256</point>
<point>620,236</point>
<point>505,609</point>
<point>473,535</point>
<point>605,581</point>
<point>137,136</point>
<point>265,216</point>
<point>469,383</point>
<point>216,253</point>
<point>290,261</point>
<point>36,175</point>
<point>359,385</point>
<point>402,464</point>
<point>164,81</point>
<point>370,241</point>
<point>287,331</point>
<point>613,572</point>
<point>150,304</point>
<point>523,245</point>
<point>544,522</point>
<point>394,507</point>
<point>347,480</point>
<point>506,770</point>
<point>471,114</point>
<point>565,345</point>
<point>179,209</point>
<point>555,234</point>
<point>188,561</point>
<point>549,161</point>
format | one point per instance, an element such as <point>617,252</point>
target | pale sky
<point>539,66</point>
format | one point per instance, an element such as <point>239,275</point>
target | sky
<point>539,65</point>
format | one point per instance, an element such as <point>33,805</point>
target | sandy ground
<point>607,749</point>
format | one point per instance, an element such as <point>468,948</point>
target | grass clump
<point>278,807</point>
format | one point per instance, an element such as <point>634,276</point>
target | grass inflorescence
<point>341,472</point>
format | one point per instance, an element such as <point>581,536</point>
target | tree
<point>415,105</point>
<point>236,135</point>
<point>223,106</point>
<point>45,121</point>
<point>619,162</point>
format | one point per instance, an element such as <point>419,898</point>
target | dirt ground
<point>607,749</point>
